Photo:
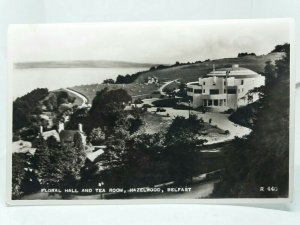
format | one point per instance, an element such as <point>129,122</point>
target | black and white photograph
<point>188,111</point>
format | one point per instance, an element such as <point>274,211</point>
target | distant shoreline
<point>82,64</point>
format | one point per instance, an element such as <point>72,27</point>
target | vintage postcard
<point>151,112</point>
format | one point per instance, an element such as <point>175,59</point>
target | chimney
<point>80,127</point>
<point>61,126</point>
<point>41,130</point>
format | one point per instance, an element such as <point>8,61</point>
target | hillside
<point>192,72</point>
<point>185,73</point>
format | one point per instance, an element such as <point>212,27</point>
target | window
<point>214,91</point>
<point>198,91</point>
<point>190,89</point>
<point>231,91</point>
<point>209,102</point>
<point>242,82</point>
<point>220,102</point>
<point>203,83</point>
<point>215,102</point>
<point>224,82</point>
<point>204,102</point>
<point>203,90</point>
<point>225,90</point>
<point>224,100</point>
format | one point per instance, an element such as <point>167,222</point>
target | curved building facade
<point>225,88</point>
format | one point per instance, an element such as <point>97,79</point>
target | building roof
<point>23,147</point>
<point>50,133</point>
<point>93,155</point>
<point>234,71</point>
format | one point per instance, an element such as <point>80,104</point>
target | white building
<point>225,88</point>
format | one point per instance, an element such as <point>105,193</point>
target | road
<point>82,97</point>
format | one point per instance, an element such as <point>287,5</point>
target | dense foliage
<point>281,48</point>
<point>242,54</point>
<point>27,107</point>
<point>148,159</point>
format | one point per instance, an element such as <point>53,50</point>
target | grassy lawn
<point>154,123</point>
<point>135,90</point>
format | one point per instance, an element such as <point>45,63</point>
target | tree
<point>108,81</point>
<point>97,136</point>
<point>108,107</point>
<point>282,48</point>
<point>169,92</point>
<point>270,71</point>
<point>182,90</point>
<point>144,160</point>
<point>26,108</point>
<point>18,174</point>
<point>42,161</point>
<point>114,154</point>
<point>152,68</point>
<point>104,98</point>
<point>242,54</point>
<point>182,144</point>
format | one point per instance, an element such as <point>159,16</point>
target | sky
<point>148,42</point>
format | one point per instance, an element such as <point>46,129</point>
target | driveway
<point>219,119</point>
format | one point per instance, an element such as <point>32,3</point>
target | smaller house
<point>67,136</point>
<point>62,135</point>
<point>152,80</point>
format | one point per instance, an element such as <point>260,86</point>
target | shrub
<point>229,111</point>
<point>172,102</point>
<point>146,106</point>
<point>138,101</point>
<point>183,107</point>
<point>160,109</point>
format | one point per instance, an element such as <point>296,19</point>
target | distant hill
<point>191,72</point>
<point>82,64</point>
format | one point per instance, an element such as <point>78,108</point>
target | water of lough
<point>25,80</point>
